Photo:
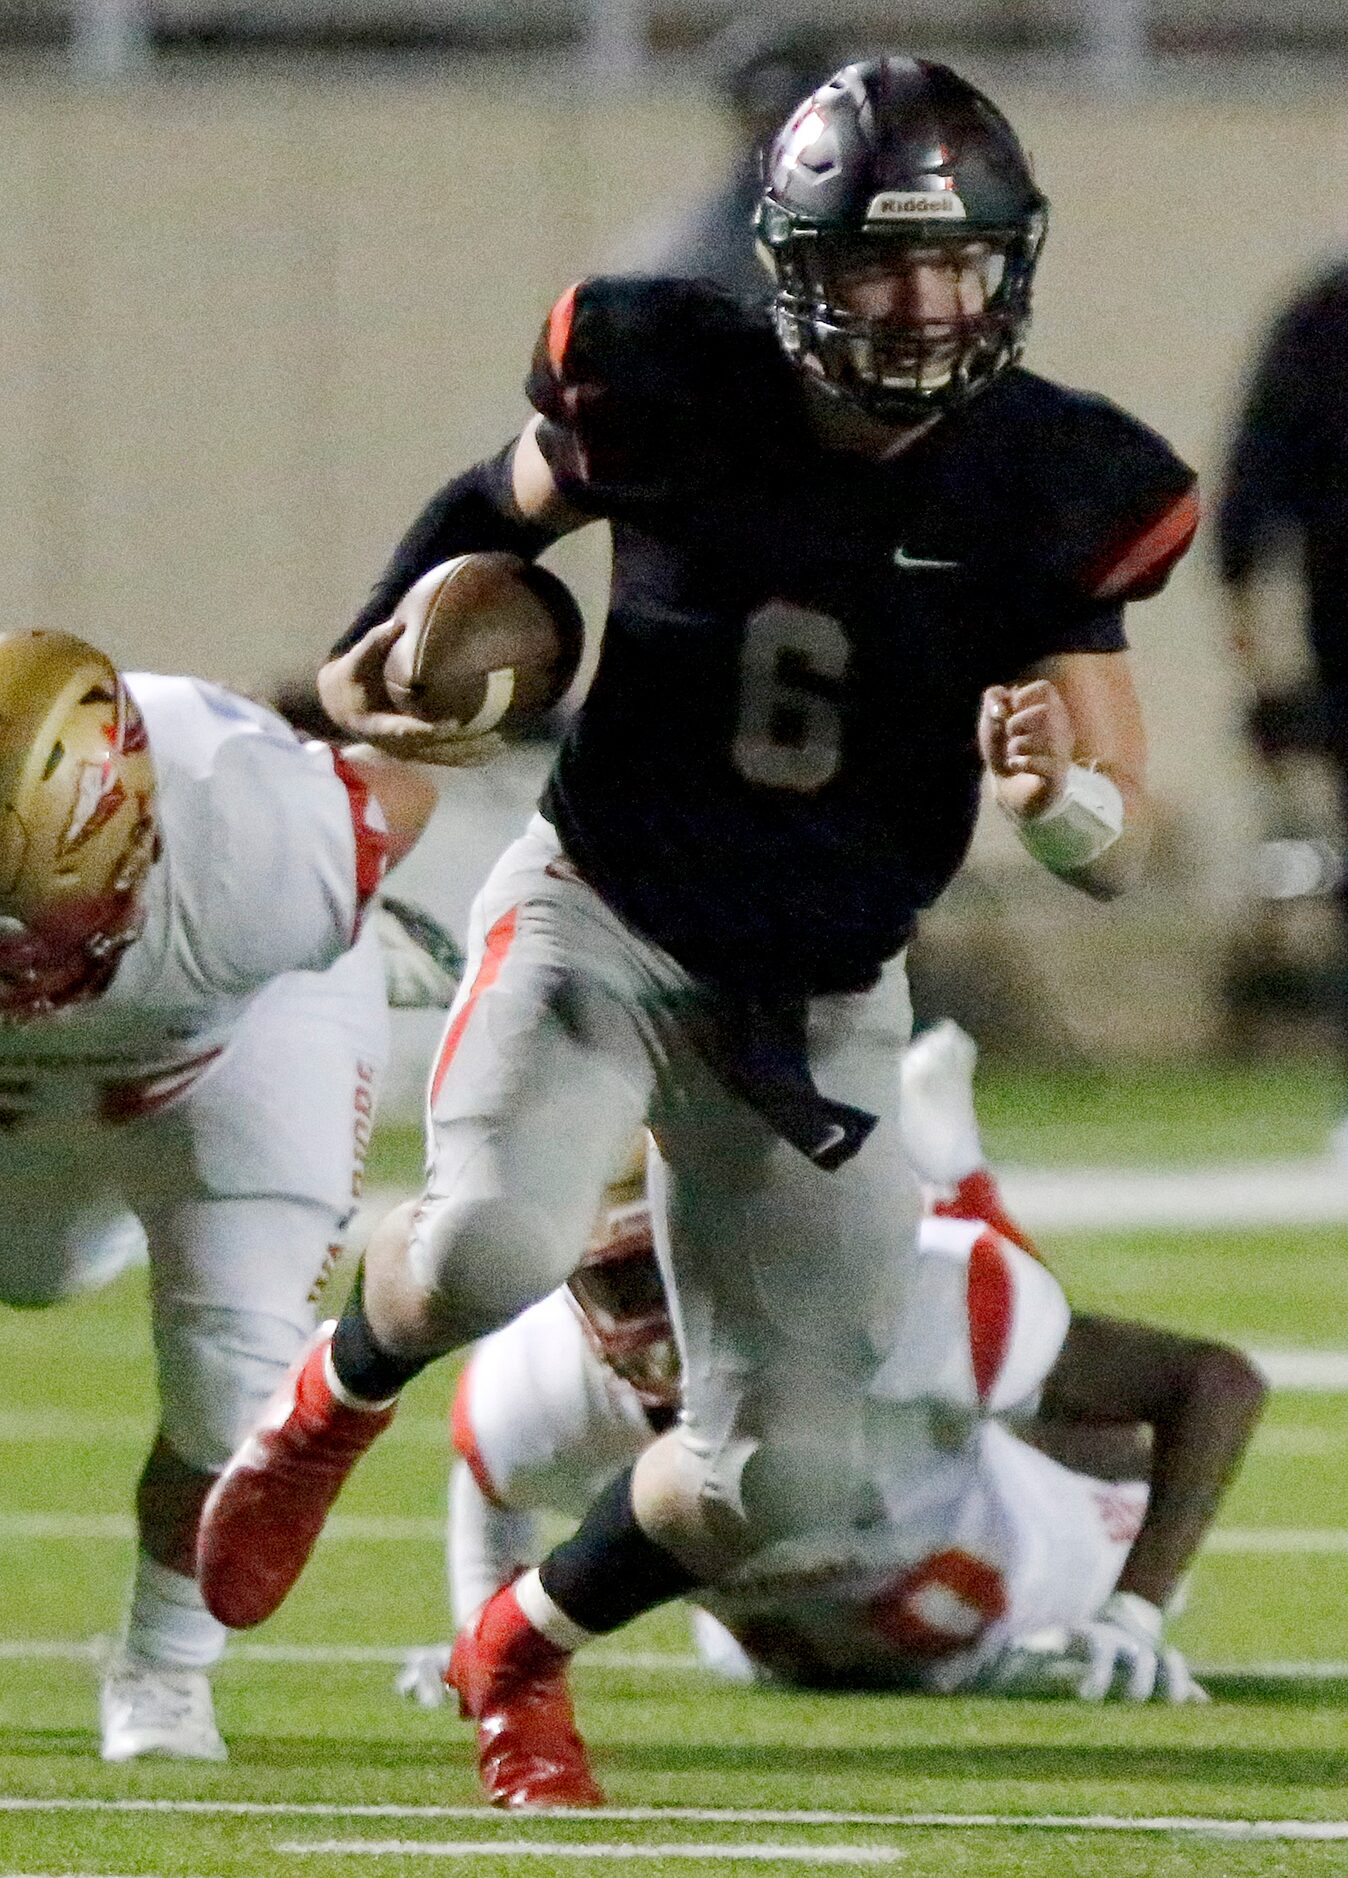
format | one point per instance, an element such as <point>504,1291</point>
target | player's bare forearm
<point>1066,754</point>
<point>1201,1401</point>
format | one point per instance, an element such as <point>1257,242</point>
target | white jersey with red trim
<point>539,1418</point>
<point>964,1536</point>
<point>270,848</point>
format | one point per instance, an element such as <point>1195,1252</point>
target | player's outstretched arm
<point>1067,754</point>
<point>1201,1402</point>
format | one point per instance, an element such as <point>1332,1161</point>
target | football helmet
<point>621,1297</point>
<point>77,820</point>
<point>892,165</point>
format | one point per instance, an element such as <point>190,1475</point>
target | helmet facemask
<point>911,365</point>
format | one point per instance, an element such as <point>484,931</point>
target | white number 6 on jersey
<point>789,733</point>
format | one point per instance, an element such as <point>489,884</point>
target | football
<point>488,641</point>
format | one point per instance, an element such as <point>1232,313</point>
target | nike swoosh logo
<point>833,1138</point>
<point>912,563</point>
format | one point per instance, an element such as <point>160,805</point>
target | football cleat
<point>512,1682</point>
<point>264,1514</point>
<point>146,1708</point>
<point>978,1196</point>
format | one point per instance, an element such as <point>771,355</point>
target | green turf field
<point>317,1735</point>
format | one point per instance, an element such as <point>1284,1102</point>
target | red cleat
<point>265,1512</point>
<point>978,1197</point>
<point>512,1682</point>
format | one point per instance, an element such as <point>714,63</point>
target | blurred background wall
<point>252,311</point>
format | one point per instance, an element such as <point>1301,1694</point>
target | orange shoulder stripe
<point>1162,541</point>
<point>559,326</point>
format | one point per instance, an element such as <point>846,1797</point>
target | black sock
<point>608,1571</point>
<point>361,1365</point>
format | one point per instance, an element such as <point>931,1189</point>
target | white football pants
<point>240,1189</point>
<point>568,1032</point>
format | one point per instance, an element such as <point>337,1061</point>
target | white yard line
<point>1314,1372</point>
<point>1304,1371</point>
<point>1310,1192</point>
<point>701,1815</point>
<point>1292,1540</point>
<point>95,1649</point>
<point>342,1529</point>
<point>85,1428</point>
<point>1120,1199</point>
<point>571,1848</point>
<point>1276,1441</point>
<point>659,1662</point>
<point>376,1530</point>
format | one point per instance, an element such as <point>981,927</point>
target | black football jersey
<point>776,767</point>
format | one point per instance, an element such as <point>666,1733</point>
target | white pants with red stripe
<point>240,1189</point>
<point>567,1034</point>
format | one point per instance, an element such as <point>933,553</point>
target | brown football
<point>488,641</point>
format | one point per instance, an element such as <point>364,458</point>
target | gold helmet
<point>77,826</point>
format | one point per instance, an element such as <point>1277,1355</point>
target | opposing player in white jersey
<point>1008,1541</point>
<point>191,1032</point>
<point>984,1563</point>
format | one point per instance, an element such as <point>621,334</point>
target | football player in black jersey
<point>858,556</point>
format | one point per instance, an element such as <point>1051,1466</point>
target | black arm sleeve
<point>475,511</point>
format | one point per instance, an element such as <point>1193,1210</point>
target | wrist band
<point>1086,819</point>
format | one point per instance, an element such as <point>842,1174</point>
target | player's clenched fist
<point>1025,737</point>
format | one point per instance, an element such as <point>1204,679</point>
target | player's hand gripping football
<point>355,696</point>
<point>1025,737</point>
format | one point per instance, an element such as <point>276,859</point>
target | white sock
<point>169,1625</point>
<point>548,1618</point>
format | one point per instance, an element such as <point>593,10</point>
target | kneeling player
<point>191,1032</point>
<point>1001,1536</point>
<point>984,1563</point>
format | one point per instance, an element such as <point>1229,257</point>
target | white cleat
<point>936,1104</point>
<point>148,1709</point>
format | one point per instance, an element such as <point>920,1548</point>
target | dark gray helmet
<point>889,156</point>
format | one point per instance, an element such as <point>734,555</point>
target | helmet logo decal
<point>916,205</point>
<point>800,140</point>
<point>98,796</point>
